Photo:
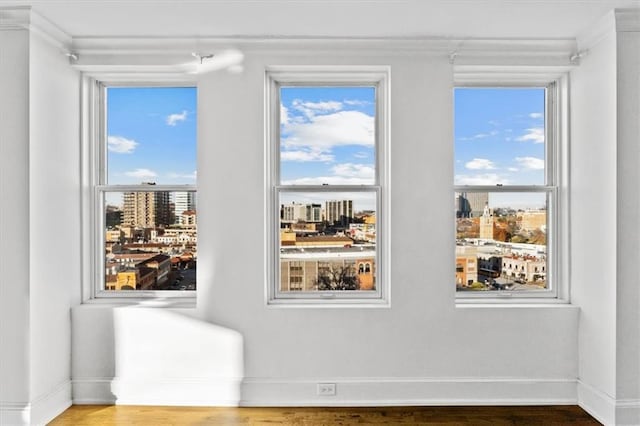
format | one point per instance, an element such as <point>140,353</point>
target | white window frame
<point>321,76</point>
<point>555,186</point>
<point>94,174</point>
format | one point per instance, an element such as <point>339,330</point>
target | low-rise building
<point>466,265</point>
<point>524,268</point>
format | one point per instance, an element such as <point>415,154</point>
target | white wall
<point>14,222</point>
<point>39,222</point>
<point>54,199</point>
<point>605,196</point>
<point>628,209</point>
<point>423,348</point>
<point>593,203</point>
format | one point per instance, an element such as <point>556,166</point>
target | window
<point>506,191</point>
<point>327,185</point>
<point>144,178</point>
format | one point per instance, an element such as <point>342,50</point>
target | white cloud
<point>479,136</point>
<point>310,109</point>
<point>306,156</point>
<point>356,102</point>
<point>530,163</point>
<point>350,170</point>
<point>480,164</point>
<point>191,176</point>
<point>284,115</point>
<point>361,155</point>
<point>481,179</point>
<point>323,132</point>
<point>534,134</point>
<point>535,115</point>
<point>142,174</point>
<point>513,169</point>
<point>121,145</point>
<point>329,180</point>
<point>174,119</point>
<point>343,174</point>
<point>320,106</point>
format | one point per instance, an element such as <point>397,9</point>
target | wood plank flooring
<point>89,415</point>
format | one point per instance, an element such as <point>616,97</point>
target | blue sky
<point>151,135</point>
<point>499,136</point>
<point>327,135</point>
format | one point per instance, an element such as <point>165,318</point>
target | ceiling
<point>478,19</point>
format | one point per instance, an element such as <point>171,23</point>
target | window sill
<point>143,302</point>
<point>515,303</point>
<point>330,304</point>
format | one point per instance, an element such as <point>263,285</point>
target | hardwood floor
<point>86,415</point>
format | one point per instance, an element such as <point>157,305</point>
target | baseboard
<point>188,392</point>
<point>41,411</point>
<point>12,413</point>
<point>48,406</point>
<point>409,391</point>
<point>628,412</point>
<point>600,405</point>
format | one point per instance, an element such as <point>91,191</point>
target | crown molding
<point>25,18</point>
<point>597,32</point>
<point>169,54</point>
<point>627,20</point>
<point>616,21</point>
<point>514,53</point>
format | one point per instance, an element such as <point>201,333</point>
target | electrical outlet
<point>326,389</point>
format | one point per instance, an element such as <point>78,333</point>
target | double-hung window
<point>506,197</point>
<point>144,175</point>
<point>327,191</point>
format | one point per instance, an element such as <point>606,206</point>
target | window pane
<point>150,240</point>
<point>501,241</point>
<point>327,135</point>
<point>151,135</point>
<point>327,241</point>
<point>499,136</point>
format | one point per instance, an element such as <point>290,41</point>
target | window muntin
<point>327,148</point>
<point>505,194</point>
<point>145,191</point>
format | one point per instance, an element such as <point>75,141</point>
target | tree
<point>338,278</point>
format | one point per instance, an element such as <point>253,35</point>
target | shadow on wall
<point>154,356</point>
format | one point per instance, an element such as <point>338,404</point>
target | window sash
<point>553,274</point>
<point>97,118</point>
<point>333,76</point>
<point>99,241</point>
<point>552,176</point>
<point>275,248</point>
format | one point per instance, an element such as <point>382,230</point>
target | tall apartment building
<point>470,204</point>
<point>146,209</point>
<point>292,213</point>
<point>183,201</point>
<point>339,212</point>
